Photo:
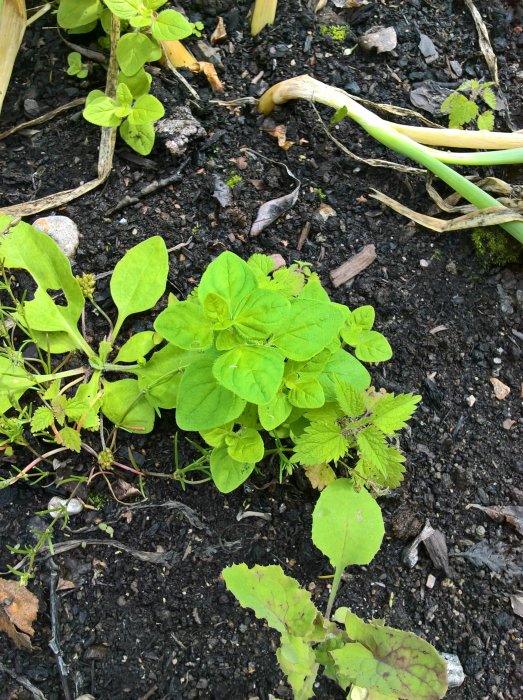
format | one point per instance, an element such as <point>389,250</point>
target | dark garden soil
<point>134,629</point>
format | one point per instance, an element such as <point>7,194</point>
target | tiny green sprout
<point>106,458</point>
<point>76,65</point>
<point>319,192</point>
<point>233,181</point>
<point>463,105</point>
<point>337,32</point>
<point>87,284</point>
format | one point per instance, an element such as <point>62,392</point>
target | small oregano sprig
<point>368,660</point>
<point>134,111</point>
<point>463,108</point>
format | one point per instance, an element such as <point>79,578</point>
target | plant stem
<point>308,88</point>
<point>334,590</point>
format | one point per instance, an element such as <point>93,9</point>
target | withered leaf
<point>272,210</point>
<point>512,514</point>
<point>18,610</point>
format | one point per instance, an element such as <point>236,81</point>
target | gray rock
<point>179,130</point>
<point>62,230</point>
<point>456,675</point>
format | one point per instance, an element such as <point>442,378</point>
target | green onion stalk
<point>307,88</point>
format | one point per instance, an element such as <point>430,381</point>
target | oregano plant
<point>368,660</point>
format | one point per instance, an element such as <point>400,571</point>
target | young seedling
<point>76,65</point>
<point>462,105</point>
<point>368,660</point>
<point>402,140</point>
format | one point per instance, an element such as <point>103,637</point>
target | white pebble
<point>431,580</point>
<point>62,230</point>
<point>455,673</point>
<point>471,400</point>
<point>424,263</point>
<point>73,506</point>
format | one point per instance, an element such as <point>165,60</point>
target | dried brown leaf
<point>280,134</point>
<point>18,610</point>
<point>512,514</point>
<point>320,475</point>
<point>220,33</point>
<point>210,73</point>
<point>484,41</point>
<point>272,210</point>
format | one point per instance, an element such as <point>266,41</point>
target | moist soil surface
<point>132,628</point>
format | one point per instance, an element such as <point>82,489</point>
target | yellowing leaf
<point>320,475</point>
<point>18,610</point>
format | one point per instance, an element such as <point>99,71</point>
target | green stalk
<point>308,88</point>
<point>334,590</point>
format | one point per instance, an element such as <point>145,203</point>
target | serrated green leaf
<point>488,97</point>
<point>391,476</point>
<point>140,137</point>
<point>320,475</point>
<point>146,109</point>
<point>311,326</point>
<point>307,392</point>
<point>346,368</point>
<point>125,405</point>
<point>76,13</point>
<point>133,288</point>
<point>350,400</point>
<point>372,447</point>
<point>313,289</point>
<point>160,377</point>
<point>261,265</point>
<point>485,121</point>
<point>14,382</point>
<point>273,596</point>
<point>71,439</point>
<point>85,405</point>
<point>170,25</point>
<point>298,661</point>
<point>347,525</point>
<point>372,346</point>
<point>203,403</point>
<point>320,442</point>
<point>462,111</point>
<point>391,661</point>
<point>275,412</point>
<point>229,277</point>
<point>227,473</point>
<point>185,325</point>
<point>252,372</point>
<point>245,445</point>
<point>261,314</point>
<point>391,413</point>
<point>41,419</point>
<point>287,281</point>
<point>138,346</point>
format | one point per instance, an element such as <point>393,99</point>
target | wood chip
<point>354,265</point>
<point>303,235</point>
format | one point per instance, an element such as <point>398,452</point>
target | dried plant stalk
<point>264,13</point>
<point>13,19</point>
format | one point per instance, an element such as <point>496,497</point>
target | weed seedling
<point>337,32</point>
<point>463,105</point>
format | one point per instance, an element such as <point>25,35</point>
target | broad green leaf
<point>320,475</point>
<point>391,661</point>
<point>139,278</point>
<point>140,137</point>
<point>216,436</point>
<point>160,377</point>
<point>307,392</point>
<point>138,346</point>
<point>146,109</point>
<point>14,382</point>
<point>372,446</point>
<point>85,405</point>
<point>311,326</point>
<point>339,115</point>
<point>125,405</point>
<point>253,372</point>
<point>347,525</point>
<point>217,311</point>
<point>134,50</point>
<point>26,248</point>
<point>347,369</point>
<point>245,445</point>
<point>350,400</point>
<point>139,83</point>
<point>261,314</point>
<point>298,661</point>
<point>273,596</point>
<point>227,473</point>
<point>229,277</point>
<point>102,112</point>
<point>94,95</point>
<point>71,439</point>
<point>76,13</point>
<point>358,320</point>
<point>41,419</point>
<point>185,325</point>
<point>313,290</point>
<point>202,402</point>
<point>227,339</point>
<point>275,412</point>
<point>372,346</point>
<point>391,413</point>
<point>124,9</point>
<point>124,96</point>
<point>170,25</point>
<point>320,442</point>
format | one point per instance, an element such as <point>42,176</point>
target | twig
<point>354,265</point>
<point>54,642</point>
<point>25,682</point>
<point>148,189</point>
<point>303,235</point>
<point>42,118</point>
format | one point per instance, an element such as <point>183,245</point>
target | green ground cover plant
<point>142,28</point>
<point>463,105</point>
<point>368,660</point>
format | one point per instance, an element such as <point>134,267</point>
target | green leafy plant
<point>76,65</point>
<point>262,353</point>
<point>133,110</point>
<point>368,660</point>
<point>495,247</point>
<point>233,180</point>
<point>463,105</point>
<point>337,32</point>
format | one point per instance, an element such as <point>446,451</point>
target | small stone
<point>382,39</point>
<point>431,580</point>
<point>501,391</point>
<point>62,230</point>
<point>31,107</point>
<point>427,48</point>
<point>471,400</point>
<point>508,423</point>
<point>73,506</point>
<point>323,212</point>
<point>451,268</point>
<point>424,263</point>
<point>480,531</point>
<point>455,673</point>
<point>179,130</point>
